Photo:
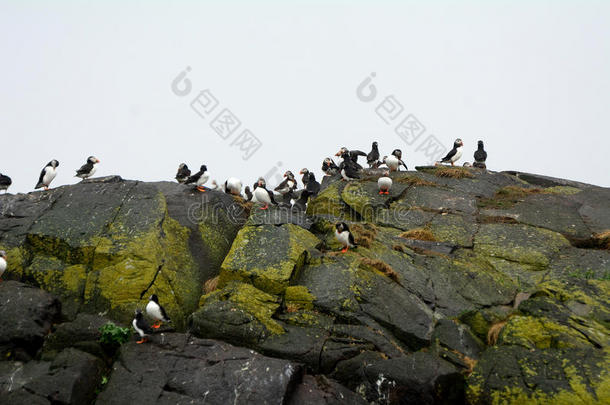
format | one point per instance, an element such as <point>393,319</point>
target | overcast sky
<point>531,79</point>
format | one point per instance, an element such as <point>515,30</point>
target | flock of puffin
<point>347,166</point>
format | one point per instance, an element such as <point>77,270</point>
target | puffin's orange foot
<point>201,189</point>
<point>387,192</point>
<point>156,326</point>
<point>265,207</point>
<point>144,340</point>
<point>380,192</point>
<point>344,250</point>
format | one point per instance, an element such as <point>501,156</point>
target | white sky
<point>532,79</point>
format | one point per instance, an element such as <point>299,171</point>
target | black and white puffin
<point>305,172</point>
<point>199,178</point>
<point>3,263</point>
<point>343,235</point>
<point>156,311</point>
<point>394,161</point>
<point>5,182</point>
<point>300,204</point>
<point>232,186</point>
<point>373,157</point>
<point>88,169</point>
<point>141,327</point>
<point>329,167</point>
<point>455,153</point>
<point>480,156</point>
<point>287,187</point>
<point>349,169</point>
<point>352,154</point>
<point>183,173</point>
<point>262,195</point>
<point>312,186</point>
<point>384,183</point>
<point>47,174</point>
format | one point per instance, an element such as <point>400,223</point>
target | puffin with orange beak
<point>88,169</point>
<point>455,153</point>
<point>199,178</point>
<point>262,195</point>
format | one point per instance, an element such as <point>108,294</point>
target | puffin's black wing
<point>282,185</point>
<point>480,155</point>
<point>355,153</point>
<point>248,193</point>
<point>403,163</point>
<point>143,325</point>
<point>165,317</point>
<point>351,171</point>
<point>84,169</point>
<point>5,181</point>
<point>351,239</point>
<point>451,153</point>
<point>42,173</point>
<point>313,187</point>
<point>271,197</point>
<point>372,157</point>
<point>194,177</point>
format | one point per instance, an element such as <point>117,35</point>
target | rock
<point>319,390</point>
<point>190,370</point>
<point>26,317</point>
<point>103,246</point>
<point>83,333</point>
<point>515,374</point>
<point>71,379</point>
<point>458,337</point>
<point>269,256</point>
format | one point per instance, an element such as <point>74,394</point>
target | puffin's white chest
<point>384,183</point>
<point>262,195</point>
<point>203,179</point>
<point>2,266</point>
<point>344,175</point>
<point>92,172</point>
<point>153,310</point>
<point>458,154</point>
<point>343,237</point>
<point>234,186</point>
<point>392,162</point>
<point>134,323</point>
<point>49,174</point>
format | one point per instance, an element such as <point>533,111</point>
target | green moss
<point>299,295</point>
<point>267,256</point>
<point>566,190</point>
<point>251,300</point>
<point>540,333</point>
<point>329,202</point>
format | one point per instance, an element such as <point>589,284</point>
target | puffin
<point>3,263</point>
<point>455,153</point>
<point>199,178</point>
<point>286,187</point>
<point>373,157</point>
<point>394,161</point>
<point>312,186</point>
<point>349,169</point>
<point>183,173</point>
<point>88,169</point>
<point>384,183</point>
<point>47,175</point>
<point>329,167</point>
<point>343,235</point>
<point>248,193</point>
<point>305,172</point>
<point>5,182</point>
<point>300,204</point>
<point>263,195</point>
<point>141,327</point>
<point>232,186</point>
<point>156,311</point>
<point>352,155</point>
<point>480,156</point>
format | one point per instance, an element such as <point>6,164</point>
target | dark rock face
<point>26,316</point>
<point>71,378</point>
<point>467,286</point>
<point>207,372</point>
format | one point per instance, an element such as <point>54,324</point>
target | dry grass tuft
<point>211,285</point>
<point>419,234</point>
<point>290,308</point>
<point>494,332</point>
<point>364,234</point>
<point>453,172</point>
<point>382,267</point>
<point>415,181</point>
<point>603,240</point>
<point>400,248</point>
<point>508,196</point>
<point>470,363</point>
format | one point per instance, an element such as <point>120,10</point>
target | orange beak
<point>98,160</point>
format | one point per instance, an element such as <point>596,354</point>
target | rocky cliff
<point>467,287</point>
